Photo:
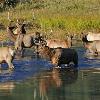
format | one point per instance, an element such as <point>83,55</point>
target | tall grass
<point>61,16</point>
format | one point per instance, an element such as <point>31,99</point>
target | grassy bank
<point>60,16</point>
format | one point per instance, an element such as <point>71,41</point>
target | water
<point>35,79</point>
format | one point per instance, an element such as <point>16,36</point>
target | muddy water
<point>35,79</point>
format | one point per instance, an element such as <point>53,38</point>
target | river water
<point>34,79</point>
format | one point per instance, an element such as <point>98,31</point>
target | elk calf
<point>6,55</point>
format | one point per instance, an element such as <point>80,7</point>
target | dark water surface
<point>34,79</point>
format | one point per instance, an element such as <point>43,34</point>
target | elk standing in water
<point>93,46</point>
<point>20,39</point>
<point>6,55</point>
<point>55,43</point>
<point>59,56</point>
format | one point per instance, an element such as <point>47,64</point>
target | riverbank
<point>54,18</point>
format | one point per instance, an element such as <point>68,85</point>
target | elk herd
<point>59,52</point>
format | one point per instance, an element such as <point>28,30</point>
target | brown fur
<point>93,47</point>
<point>58,56</point>
<point>54,43</point>
<point>21,39</point>
<point>19,30</point>
<point>10,33</point>
<point>6,54</point>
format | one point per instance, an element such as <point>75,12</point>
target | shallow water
<point>35,79</point>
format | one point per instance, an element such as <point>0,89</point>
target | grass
<point>61,16</point>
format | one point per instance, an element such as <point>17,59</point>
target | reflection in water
<point>6,88</point>
<point>56,79</point>
<point>46,84</point>
<point>55,84</point>
<point>8,71</point>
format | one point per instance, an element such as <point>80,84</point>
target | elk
<point>10,33</point>
<point>58,56</point>
<point>54,43</point>
<point>6,55</point>
<point>20,29</point>
<point>93,36</point>
<point>91,44</point>
<point>21,39</point>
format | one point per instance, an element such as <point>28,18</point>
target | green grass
<point>62,16</point>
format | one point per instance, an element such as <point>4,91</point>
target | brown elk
<point>21,39</point>
<point>6,55</point>
<point>93,46</point>
<point>10,33</point>
<point>54,43</point>
<point>59,56</point>
<point>20,29</point>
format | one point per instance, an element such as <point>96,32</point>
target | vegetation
<point>59,16</point>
